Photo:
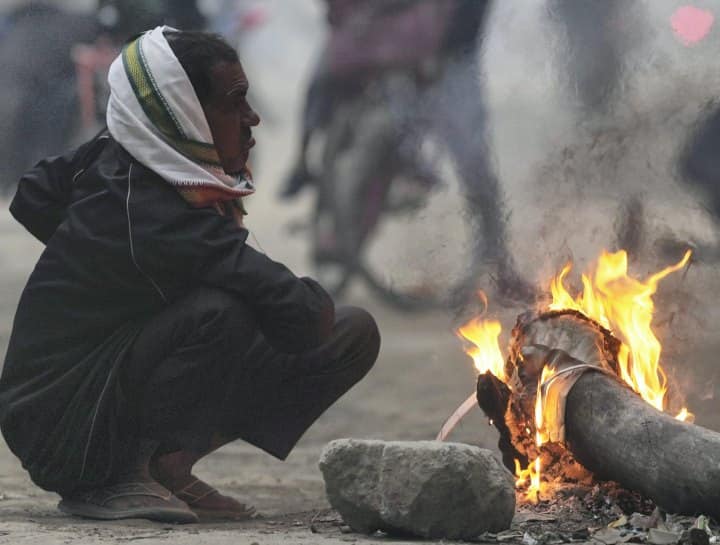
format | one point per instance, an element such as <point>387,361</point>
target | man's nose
<point>253,119</point>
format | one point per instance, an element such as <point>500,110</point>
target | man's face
<point>230,117</point>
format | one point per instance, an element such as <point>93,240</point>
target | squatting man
<point>149,334</point>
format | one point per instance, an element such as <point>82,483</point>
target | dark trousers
<point>202,369</point>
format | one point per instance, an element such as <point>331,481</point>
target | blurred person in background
<point>597,35</point>
<point>452,105</point>
<point>345,68</point>
<point>436,44</point>
<point>125,18</point>
<point>149,333</point>
<point>231,18</point>
<point>39,108</point>
<point>699,168</point>
<point>48,102</point>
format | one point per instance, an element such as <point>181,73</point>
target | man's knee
<point>361,333</point>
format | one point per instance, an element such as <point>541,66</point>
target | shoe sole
<point>87,510</point>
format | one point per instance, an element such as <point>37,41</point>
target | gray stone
<point>427,489</point>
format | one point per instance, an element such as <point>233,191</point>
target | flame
<point>534,490</point>
<point>523,475</point>
<point>617,301</point>
<point>541,435</point>
<point>530,477</point>
<point>534,470</point>
<point>685,416</point>
<point>485,348</point>
<point>624,305</point>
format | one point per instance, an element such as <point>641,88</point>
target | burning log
<point>581,394</point>
<point>620,437</point>
<point>566,342</point>
<point>599,421</point>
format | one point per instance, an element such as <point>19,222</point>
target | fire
<point>624,305</point>
<point>685,416</point>
<point>533,471</point>
<point>541,435</point>
<point>484,348</point>
<point>530,477</point>
<point>617,301</point>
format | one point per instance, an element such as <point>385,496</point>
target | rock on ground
<point>427,488</point>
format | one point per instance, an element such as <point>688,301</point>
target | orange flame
<point>530,477</point>
<point>533,471</point>
<point>541,435</point>
<point>685,416</point>
<point>485,348</point>
<point>620,303</point>
<point>624,305</point>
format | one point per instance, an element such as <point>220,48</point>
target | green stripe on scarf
<point>157,110</point>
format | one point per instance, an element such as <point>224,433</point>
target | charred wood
<point>608,429</point>
<point>620,437</point>
<point>493,396</point>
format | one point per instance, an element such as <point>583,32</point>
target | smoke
<point>586,146</point>
<point>612,147</point>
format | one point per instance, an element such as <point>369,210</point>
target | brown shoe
<point>208,504</point>
<point>145,500</point>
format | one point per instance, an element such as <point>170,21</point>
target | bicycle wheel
<point>384,215</point>
<point>331,267</point>
<point>418,252</point>
<point>387,210</point>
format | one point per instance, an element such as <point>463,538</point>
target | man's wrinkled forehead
<point>229,79</point>
<point>239,86</point>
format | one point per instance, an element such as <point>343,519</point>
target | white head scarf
<point>154,113</point>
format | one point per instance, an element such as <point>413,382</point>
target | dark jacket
<point>121,244</point>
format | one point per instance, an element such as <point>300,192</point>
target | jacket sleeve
<point>45,192</point>
<point>294,314</point>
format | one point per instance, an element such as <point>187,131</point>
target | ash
<point>600,514</point>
